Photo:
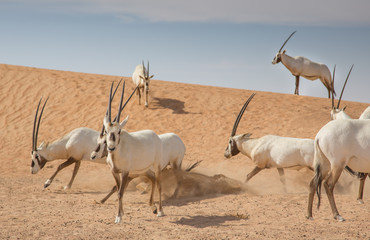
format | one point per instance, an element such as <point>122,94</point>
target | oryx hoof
<point>339,218</point>
<point>118,219</point>
<point>360,201</point>
<point>47,183</point>
<point>160,214</point>
<point>154,209</point>
<point>67,187</point>
<point>309,218</point>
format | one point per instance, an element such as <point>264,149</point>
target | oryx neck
<point>246,145</point>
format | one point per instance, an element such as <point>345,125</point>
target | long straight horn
<point>287,40</point>
<point>241,114</point>
<point>147,71</point>
<point>110,104</point>
<point>332,89</point>
<point>124,105</point>
<point>345,83</point>
<point>120,102</point>
<point>38,123</point>
<point>106,113</point>
<point>34,127</point>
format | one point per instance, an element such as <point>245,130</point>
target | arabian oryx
<point>337,113</point>
<point>301,66</point>
<point>270,151</point>
<point>74,146</point>
<point>141,78</point>
<point>340,143</point>
<point>135,153</point>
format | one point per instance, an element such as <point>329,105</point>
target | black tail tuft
<point>318,183</point>
<point>191,167</point>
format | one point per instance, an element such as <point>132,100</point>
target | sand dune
<point>203,117</point>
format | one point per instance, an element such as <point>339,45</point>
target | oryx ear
<point>151,76</point>
<point>141,77</point>
<point>344,108</point>
<point>106,121</point>
<point>123,123</point>
<point>247,135</point>
<point>284,51</point>
<point>44,145</point>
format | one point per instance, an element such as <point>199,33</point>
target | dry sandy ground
<point>209,206</point>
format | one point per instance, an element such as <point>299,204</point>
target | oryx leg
<point>121,188</point>
<point>252,173</point>
<point>151,177</point>
<point>60,167</point>
<point>311,195</point>
<point>146,98</point>
<point>139,93</point>
<point>296,85</point>
<point>360,197</point>
<point>329,184</point>
<point>158,176</point>
<point>114,189</point>
<point>282,177</point>
<point>75,170</point>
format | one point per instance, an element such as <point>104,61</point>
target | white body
<point>301,66</point>
<point>272,151</point>
<point>173,150</point>
<point>338,144</point>
<point>76,145</point>
<point>140,79</point>
<point>365,114</point>
<point>136,153</point>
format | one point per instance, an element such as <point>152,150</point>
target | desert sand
<point>213,201</point>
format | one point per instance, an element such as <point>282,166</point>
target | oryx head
<point>335,111</point>
<point>277,57</point>
<point>38,161</point>
<point>232,148</point>
<point>113,129</point>
<point>101,146</point>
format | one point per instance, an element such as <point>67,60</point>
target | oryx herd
<point>343,143</point>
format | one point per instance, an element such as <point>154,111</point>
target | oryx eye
<point>32,164</point>
<point>119,132</point>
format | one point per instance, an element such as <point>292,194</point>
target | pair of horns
<point>241,114</point>
<point>35,131</point>
<point>121,107</point>
<point>147,69</point>
<point>287,40</point>
<point>344,85</point>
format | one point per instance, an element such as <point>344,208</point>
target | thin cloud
<point>283,12</point>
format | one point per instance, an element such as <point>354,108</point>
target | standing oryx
<point>340,143</point>
<point>337,113</point>
<point>131,153</point>
<point>270,151</point>
<point>75,146</point>
<point>141,78</point>
<point>301,66</point>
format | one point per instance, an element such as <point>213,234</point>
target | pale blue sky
<point>220,43</point>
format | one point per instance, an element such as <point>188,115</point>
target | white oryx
<point>337,113</point>
<point>135,153</point>
<point>173,152</point>
<point>270,151</point>
<point>141,78</point>
<point>301,66</point>
<point>74,146</point>
<point>340,143</point>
